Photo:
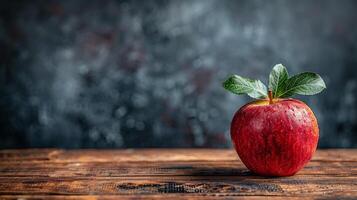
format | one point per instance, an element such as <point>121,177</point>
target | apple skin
<point>275,139</point>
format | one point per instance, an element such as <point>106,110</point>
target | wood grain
<point>167,173</point>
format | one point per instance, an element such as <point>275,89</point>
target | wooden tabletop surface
<point>167,173</point>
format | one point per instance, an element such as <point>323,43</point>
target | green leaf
<point>280,84</point>
<point>306,83</point>
<point>239,85</point>
<point>277,79</point>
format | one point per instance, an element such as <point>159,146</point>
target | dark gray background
<point>105,74</point>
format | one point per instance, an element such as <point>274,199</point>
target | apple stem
<point>270,95</point>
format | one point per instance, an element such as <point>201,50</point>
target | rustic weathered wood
<point>167,173</point>
<point>160,197</point>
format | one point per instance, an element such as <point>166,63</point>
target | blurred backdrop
<point>105,74</point>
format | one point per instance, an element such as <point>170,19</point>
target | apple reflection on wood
<point>275,135</point>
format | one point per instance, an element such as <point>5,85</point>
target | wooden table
<point>167,173</point>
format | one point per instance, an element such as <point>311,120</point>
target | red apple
<point>275,137</point>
